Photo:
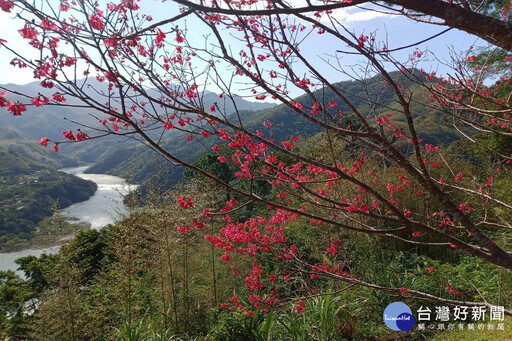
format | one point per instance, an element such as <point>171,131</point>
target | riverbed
<point>103,208</point>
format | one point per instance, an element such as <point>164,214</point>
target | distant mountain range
<point>139,164</point>
<point>50,120</point>
<point>15,145</point>
<point>20,154</point>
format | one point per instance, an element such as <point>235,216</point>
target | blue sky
<point>396,31</point>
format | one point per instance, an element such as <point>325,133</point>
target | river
<point>104,207</point>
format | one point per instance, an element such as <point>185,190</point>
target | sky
<point>396,31</point>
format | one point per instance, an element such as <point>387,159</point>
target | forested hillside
<point>155,276</point>
<point>142,165</point>
<point>32,189</point>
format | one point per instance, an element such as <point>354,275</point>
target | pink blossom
<point>28,32</point>
<point>6,5</point>
<point>16,108</point>
<point>160,37</point>
<point>43,141</point>
<point>179,38</point>
<point>96,22</point>
<point>185,202</point>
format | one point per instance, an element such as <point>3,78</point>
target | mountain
<point>15,145</point>
<point>29,183</point>
<point>50,120</point>
<point>373,97</point>
<point>137,163</point>
<point>30,190</point>
<point>9,133</point>
<point>227,106</point>
<point>47,120</point>
<point>31,187</point>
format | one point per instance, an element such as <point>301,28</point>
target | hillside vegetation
<point>146,278</point>
<point>31,189</point>
<point>157,276</point>
<point>142,165</point>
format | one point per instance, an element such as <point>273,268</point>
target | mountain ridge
<point>139,164</point>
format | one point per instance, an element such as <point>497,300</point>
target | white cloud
<point>351,15</point>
